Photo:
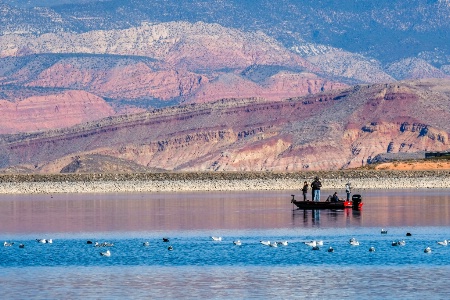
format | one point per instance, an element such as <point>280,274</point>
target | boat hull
<point>321,205</point>
<point>327,205</point>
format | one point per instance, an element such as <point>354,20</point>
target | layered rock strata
<point>51,111</point>
<point>334,130</point>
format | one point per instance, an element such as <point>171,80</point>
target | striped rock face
<point>335,130</point>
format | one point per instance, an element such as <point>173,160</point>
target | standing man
<point>348,190</point>
<point>305,190</point>
<point>316,185</point>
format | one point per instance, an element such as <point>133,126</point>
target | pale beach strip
<point>217,181</point>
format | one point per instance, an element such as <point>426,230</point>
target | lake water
<point>199,267</point>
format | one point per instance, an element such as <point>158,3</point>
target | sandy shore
<point>184,182</point>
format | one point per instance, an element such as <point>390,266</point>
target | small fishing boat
<point>355,203</point>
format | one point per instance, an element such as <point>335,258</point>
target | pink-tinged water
<point>198,267</point>
<point>207,211</point>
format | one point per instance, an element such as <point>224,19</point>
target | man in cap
<point>315,186</point>
<point>348,190</point>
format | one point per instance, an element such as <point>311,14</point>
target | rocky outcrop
<point>277,87</point>
<point>95,163</point>
<point>57,110</point>
<point>130,82</point>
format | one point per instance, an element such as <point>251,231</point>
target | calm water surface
<point>201,268</point>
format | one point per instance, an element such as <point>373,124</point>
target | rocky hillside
<point>387,30</point>
<point>307,85</point>
<point>156,66</point>
<point>333,130</point>
<point>137,55</point>
<point>50,111</point>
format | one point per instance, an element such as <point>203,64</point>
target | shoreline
<point>205,182</point>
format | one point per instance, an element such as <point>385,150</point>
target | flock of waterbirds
<point>106,253</point>
<point>314,244</point>
<point>41,241</point>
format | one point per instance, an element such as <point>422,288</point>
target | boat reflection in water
<point>327,217</point>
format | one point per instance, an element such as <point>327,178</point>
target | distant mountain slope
<point>51,110</point>
<point>156,65</point>
<point>342,64</point>
<point>122,80</point>
<point>159,65</point>
<point>334,130</point>
<point>197,46</point>
<point>140,54</point>
<point>377,33</point>
<point>387,30</point>
<point>414,68</point>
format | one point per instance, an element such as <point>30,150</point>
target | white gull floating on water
<point>311,243</point>
<point>314,243</point>
<point>427,250</point>
<point>44,241</point>
<point>104,244</point>
<point>237,243</point>
<point>106,253</point>
<point>216,238</point>
<point>399,243</point>
<point>265,243</point>
<point>353,242</point>
<point>443,243</point>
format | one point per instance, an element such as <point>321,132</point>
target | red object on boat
<point>348,204</point>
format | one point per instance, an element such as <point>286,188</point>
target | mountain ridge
<point>327,85</point>
<point>356,124</point>
<point>172,63</point>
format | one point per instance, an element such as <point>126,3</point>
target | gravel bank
<point>183,182</point>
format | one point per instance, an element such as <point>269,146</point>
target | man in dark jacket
<point>305,190</point>
<point>315,186</point>
<point>335,197</point>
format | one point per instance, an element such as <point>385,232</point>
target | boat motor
<point>356,199</point>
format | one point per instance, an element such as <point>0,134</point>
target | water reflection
<point>204,211</point>
<point>229,283</point>
<point>327,217</point>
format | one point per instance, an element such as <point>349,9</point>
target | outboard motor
<point>356,199</point>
